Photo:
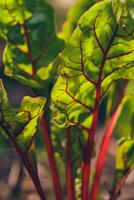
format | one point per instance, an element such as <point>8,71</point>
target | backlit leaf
<point>93,59</point>
<point>73,16</point>
<point>20,124</point>
<point>29,30</point>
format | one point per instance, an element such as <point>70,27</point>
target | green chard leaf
<point>20,123</point>
<point>78,142</point>
<point>93,59</point>
<point>125,155</point>
<point>73,16</point>
<point>29,30</point>
<point>124,159</point>
<point>118,7</point>
<point>124,126</point>
<point>130,5</point>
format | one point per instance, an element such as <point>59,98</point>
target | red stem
<point>90,143</point>
<point>50,154</point>
<point>105,144</point>
<point>116,191</point>
<point>89,149</point>
<point>32,172</point>
<point>69,175</point>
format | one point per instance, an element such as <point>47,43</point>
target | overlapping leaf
<point>20,123</point>
<point>100,51</point>
<point>73,16</point>
<point>28,28</point>
<point>77,145</point>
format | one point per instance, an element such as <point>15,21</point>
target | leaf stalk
<point>69,175</point>
<point>105,144</point>
<point>51,159</point>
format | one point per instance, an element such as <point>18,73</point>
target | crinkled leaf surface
<point>93,59</point>
<point>20,123</point>
<point>29,30</point>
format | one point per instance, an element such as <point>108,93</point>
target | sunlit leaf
<point>29,30</point>
<point>125,156</point>
<point>93,59</point>
<point>20,124</point>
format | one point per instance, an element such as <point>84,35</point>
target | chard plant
<point>70,76</point>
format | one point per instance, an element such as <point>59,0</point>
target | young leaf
<point>93,59</point>
<point>32,108</point>
<point>20,124</point>
<point>28,28</point>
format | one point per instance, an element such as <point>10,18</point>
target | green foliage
<point>20,124</point>
<point>78,142</point>
<point>124,126</point>
<point>73,16</point>
<point>29,30</point>
<point>113,96</point>
<point>124,159</point>
<point>93,58</point>
<point>99,52</point>
<point>130,5</point>
<point>118,6</point>
<point>125,156</point>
